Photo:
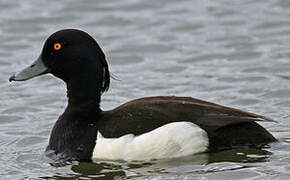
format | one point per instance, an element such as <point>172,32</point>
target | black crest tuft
<point>106,75</point>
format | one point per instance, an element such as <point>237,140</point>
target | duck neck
<point>84,94</point>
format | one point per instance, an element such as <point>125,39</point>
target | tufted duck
<point>142,129</point>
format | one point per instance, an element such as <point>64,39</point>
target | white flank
<point>169,141</point>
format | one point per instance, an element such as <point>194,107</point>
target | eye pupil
<point>57,46</point>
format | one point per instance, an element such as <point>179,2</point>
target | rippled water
<point>235,53</point>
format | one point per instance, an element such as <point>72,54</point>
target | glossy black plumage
<point>82,65</point>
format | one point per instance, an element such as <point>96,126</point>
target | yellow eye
<point>57,46</point>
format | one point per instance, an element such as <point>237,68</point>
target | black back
<point>226,127</point>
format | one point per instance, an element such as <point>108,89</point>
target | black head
<point>70,54</point>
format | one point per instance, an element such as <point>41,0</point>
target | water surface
<point>235,53</point>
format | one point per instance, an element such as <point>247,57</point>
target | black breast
<point>73,137</point>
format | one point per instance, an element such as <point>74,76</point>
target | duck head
<point>71,55</point>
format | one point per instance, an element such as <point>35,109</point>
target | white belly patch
<point>169,141</point>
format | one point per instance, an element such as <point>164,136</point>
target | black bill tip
<point>12,78</point>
